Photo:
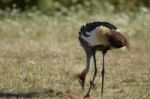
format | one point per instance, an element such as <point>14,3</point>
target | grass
<point>40,56</point>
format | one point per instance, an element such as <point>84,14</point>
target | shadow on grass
<point>46,92</point>
<point>18,95</point>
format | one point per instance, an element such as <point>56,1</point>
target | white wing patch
<point>95,38</point>
<point>92,39</point>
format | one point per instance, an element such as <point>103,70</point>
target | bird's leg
<point>103,72</point>
<point>95,73</point>
<point>82,75</point>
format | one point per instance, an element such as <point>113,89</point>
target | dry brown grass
<point>40,57</point>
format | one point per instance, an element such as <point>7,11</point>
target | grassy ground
<point>40,56</point>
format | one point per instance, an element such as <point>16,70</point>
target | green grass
<point>40,57</point>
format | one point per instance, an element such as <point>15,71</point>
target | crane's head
<point>114,37</point>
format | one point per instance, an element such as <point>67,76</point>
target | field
<point>40,57</point>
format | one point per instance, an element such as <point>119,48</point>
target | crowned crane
<point>98,36</point>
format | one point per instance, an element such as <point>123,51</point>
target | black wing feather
<point>91,26</point>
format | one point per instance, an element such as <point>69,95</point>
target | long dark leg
<point>82,75</point>
<point>103,73</point>
<point>95,73</point>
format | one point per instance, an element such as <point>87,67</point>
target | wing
<point>91,26</point>
<point>117,40</point>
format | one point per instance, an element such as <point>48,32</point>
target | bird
<point>98,36</point>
